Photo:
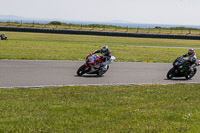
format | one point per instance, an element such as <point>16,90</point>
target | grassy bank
<point>147,108</point>
<point>38,46</point>
<point>108,28</point>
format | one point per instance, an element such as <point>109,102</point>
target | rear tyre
<point>106,69</point>
<point>100,72</point>
<point>170,73</point>
<point>81,70</point>
<point>190,75</point>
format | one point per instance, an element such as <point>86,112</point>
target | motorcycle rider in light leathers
<point>192,58</point>
<point>106,54</point>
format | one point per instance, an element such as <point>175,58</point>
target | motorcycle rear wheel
<point>81,71</point>
<point>101,73</point>
<point>170,73</point>
<point>188,76</point>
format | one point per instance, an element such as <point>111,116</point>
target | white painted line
<point>117,84</point>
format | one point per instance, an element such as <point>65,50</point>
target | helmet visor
<point>105,48</point>
<point>190,53</point>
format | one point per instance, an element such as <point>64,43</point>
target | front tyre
<point>81,70</point>
<point>170,73</point>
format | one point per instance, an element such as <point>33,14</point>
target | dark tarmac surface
<point>25,73</point>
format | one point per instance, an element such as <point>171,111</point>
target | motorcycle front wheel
<point>81,70</point>
<point>170,73</point>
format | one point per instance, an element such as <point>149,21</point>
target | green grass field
<point>39,46</point>
<point>140,108</point>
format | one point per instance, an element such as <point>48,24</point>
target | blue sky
<point>185,12</point>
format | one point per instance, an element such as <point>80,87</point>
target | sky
<point>181,12</point>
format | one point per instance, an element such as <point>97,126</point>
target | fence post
<point>8,22</point>
<point>33,23</point>
<point>127,29</point>
<point>137,29</point>
<point>116,28</point>
<point>148,30</point>
<point>189,31</point>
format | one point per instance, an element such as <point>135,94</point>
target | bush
<point>55,23</point>
<point>157,27</point>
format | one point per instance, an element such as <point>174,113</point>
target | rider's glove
<point>180,57</point>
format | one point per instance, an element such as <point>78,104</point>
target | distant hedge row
<point>100,33</point>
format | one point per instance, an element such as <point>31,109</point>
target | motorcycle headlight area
<point>176,63</point>
<point>181,67</point>
<point>91,59</point>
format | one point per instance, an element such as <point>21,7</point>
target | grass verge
<point>38,46</point>
<point>139,108</point>
<point>109,28</point>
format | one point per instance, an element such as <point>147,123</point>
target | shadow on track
<point>89,76</point>
<point>178,79</point>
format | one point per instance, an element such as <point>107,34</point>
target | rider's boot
<point>191,70</point>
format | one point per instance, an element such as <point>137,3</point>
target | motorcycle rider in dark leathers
<point>106,55</point>
<point>192,58</point>
<point>2,36</point>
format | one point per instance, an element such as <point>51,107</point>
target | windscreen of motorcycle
<point>177,63</point>
<point>92,59</point>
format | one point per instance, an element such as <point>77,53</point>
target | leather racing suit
<point>193,61</point>
<point>106,55</point>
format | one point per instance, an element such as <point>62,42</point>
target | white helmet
<point>104,48</point>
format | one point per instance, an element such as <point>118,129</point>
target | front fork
<point>87,67</point>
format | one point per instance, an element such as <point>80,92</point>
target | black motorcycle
<point>181,69</point>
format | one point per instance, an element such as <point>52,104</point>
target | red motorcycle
<point>93,65</point>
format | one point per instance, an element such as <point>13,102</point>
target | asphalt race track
<point>25,73</point>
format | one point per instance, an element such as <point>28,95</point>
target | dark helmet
<point>104,48</point>
<point>191,52</point>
